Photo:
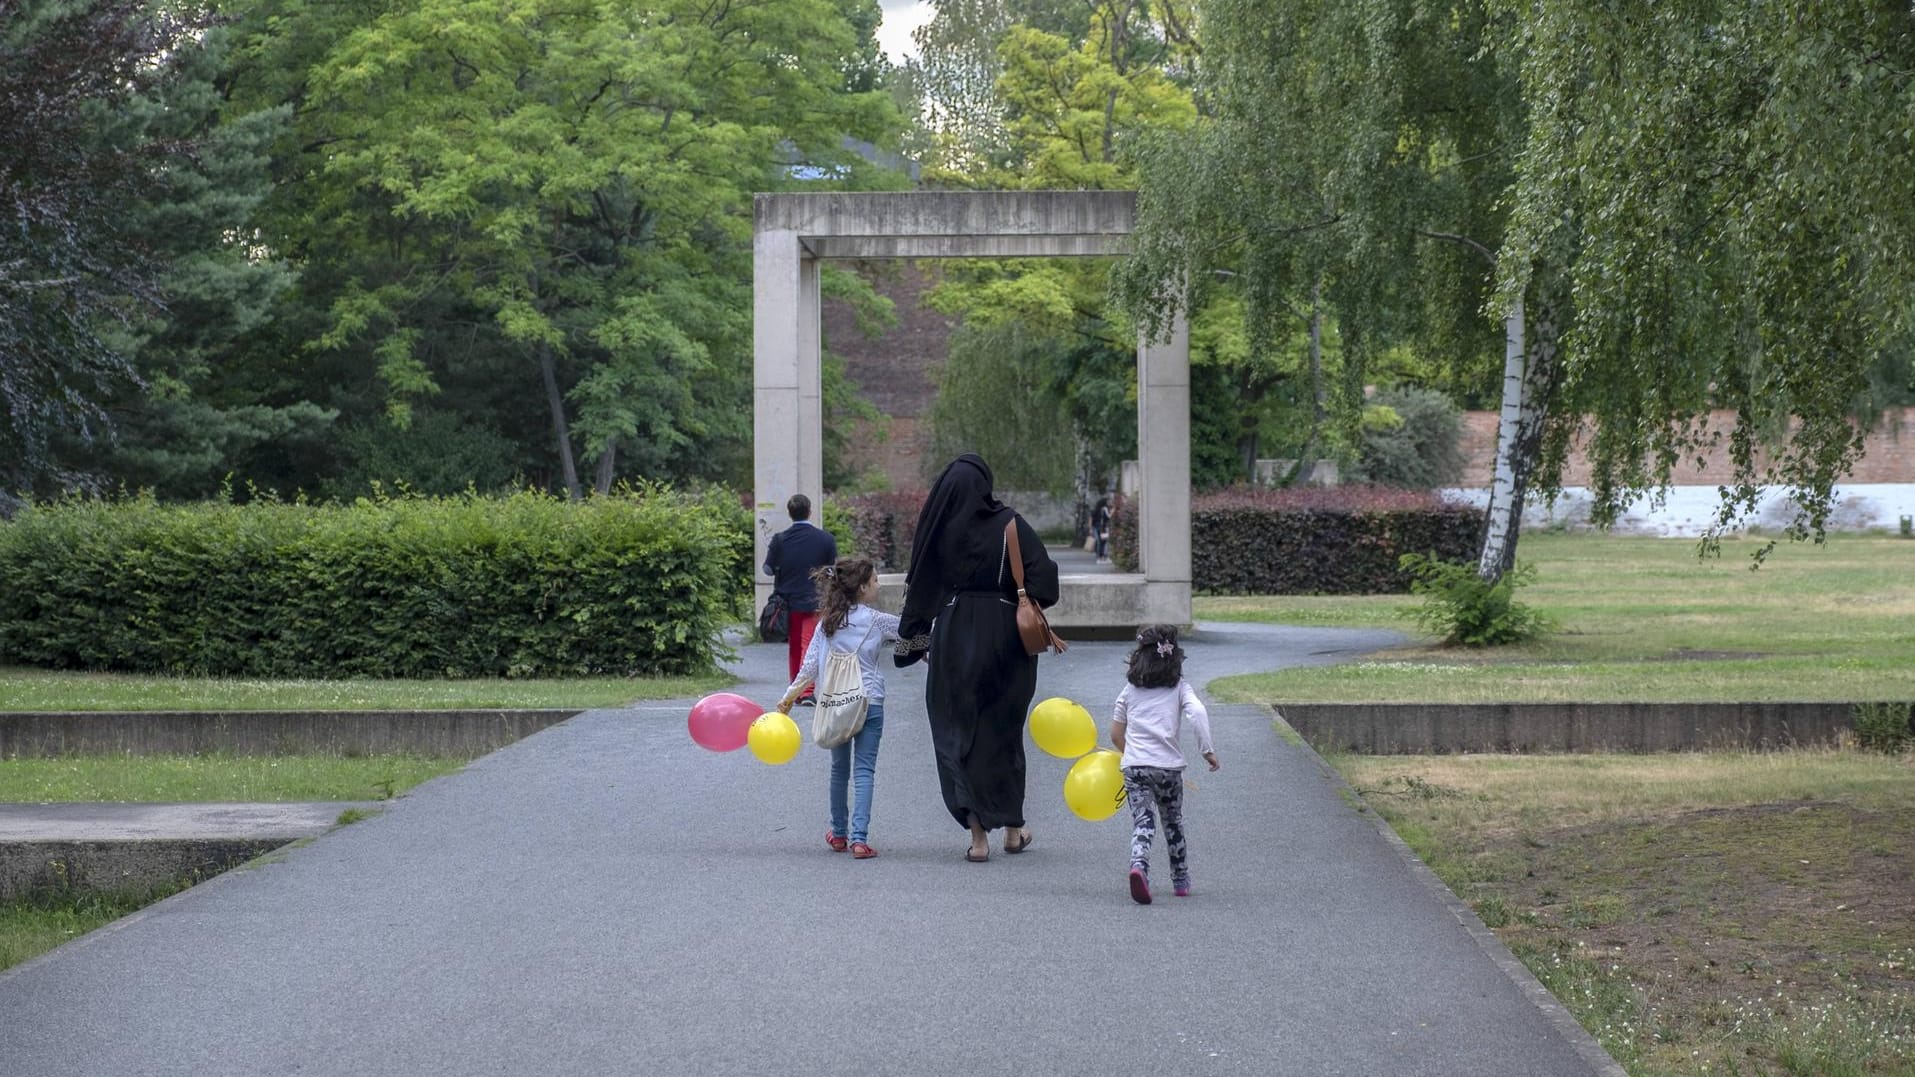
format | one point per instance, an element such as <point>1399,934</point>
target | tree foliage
<point>71,71</point>
<point>1729,188</point>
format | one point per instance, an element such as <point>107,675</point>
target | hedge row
<point>1311,541</point>
<point>518,586</point>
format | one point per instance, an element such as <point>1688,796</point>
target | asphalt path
<point>606,898</point>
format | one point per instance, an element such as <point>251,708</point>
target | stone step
<point>131,847</point>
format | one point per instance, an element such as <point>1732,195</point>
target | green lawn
<point>44,690</point>
<point>1727,912</point>
<point>1638,620</point>
<point>163,778</point>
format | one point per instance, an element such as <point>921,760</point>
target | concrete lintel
<point>953,213</point>
<point>1033,246</point>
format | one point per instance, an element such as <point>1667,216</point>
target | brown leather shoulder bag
<point>1033,628</point>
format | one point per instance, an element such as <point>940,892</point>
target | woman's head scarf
<point>960,500</point>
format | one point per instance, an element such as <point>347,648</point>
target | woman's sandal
<point>976,859</point>
<point>1024,841</point>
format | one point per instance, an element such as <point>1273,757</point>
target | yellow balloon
<point>1063,728</point>
<point>1094,788</point>
<point>774,738</point>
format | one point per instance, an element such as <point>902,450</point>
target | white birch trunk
<point>1505,492</point>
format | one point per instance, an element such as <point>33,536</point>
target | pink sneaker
<point>1183,889</point>
<point>1139,886</point>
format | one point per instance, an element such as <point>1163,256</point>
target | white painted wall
<point>1687,511</point>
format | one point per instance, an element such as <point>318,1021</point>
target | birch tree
<point>1731,190</point>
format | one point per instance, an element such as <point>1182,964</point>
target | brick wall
<point>897,371</point>
<point>1888,456</point>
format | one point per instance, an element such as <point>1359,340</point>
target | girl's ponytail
<point>838,588</point>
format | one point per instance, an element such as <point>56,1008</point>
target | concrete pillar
<point>811,416</point>
<point>1163,451</point>
<point>778,411</point>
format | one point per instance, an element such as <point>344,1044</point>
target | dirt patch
<point>1723,925</point>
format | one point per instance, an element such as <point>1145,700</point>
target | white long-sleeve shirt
<point>865,631</point>
<point>1154,717</point>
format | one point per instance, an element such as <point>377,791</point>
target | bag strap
<point>1016,557</point>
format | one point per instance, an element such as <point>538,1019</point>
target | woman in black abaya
<point>960,604</point>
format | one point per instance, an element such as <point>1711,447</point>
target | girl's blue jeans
<point>856,760</point>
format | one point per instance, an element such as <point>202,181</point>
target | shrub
<point>519,585</point>
<point>1884,727</point>
<point>1460,606</point>
<point>1334,540</point>
<point>1412,438</point>
<point>883,524</point>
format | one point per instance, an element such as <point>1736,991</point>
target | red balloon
<point>722,721</point>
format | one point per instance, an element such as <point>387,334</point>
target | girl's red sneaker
<point>838,844</point>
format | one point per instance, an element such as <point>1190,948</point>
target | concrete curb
<point>1439,728</point>
<point>1552,1009</point>
<point>468,733</point>
<point>136,848</point>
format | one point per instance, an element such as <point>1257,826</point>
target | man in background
<point>789,561</point>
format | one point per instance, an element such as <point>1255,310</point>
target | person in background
<point>1100,528</point>
<point>789,560</point>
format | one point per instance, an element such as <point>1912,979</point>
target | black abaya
<point>981,681</point>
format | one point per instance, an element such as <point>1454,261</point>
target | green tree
<point>71,268</point>
<point>559,193</point>
<point>1349,168</point>
<point>1728,188</point>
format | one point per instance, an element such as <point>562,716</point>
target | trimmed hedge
<point>1339,540</point>
<point>519,586</point>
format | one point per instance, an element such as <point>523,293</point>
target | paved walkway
<point>604,897</point>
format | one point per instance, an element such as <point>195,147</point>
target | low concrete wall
<point>1412,728</point>
<point>132,867</point>
<point>443,733</point>
<point>1109,603</point>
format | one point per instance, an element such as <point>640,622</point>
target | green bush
<point>1339,540</point>
<point>520,585</point>
<point>1412,438</point>
<point>1884,727</point>
<point>1460,606</point>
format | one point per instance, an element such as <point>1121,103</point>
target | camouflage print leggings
<point>1151,789</point>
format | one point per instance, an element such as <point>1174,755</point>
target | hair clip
<point>1166,648</point>
<point>831,572</point>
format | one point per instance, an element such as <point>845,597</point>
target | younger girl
<point>846,622</point>
<point>1151,711</point>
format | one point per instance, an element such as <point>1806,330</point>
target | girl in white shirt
<point>847,622</point>
<point>1151,713</point>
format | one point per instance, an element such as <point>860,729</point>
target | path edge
<point>1553,1010</point>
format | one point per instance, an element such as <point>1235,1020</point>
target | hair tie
<point>1166,648</point>
<point>831,572</point>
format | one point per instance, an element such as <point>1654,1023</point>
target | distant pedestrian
<point>1100,528</point>
<point>790,559</point>
<point>1151,712</point>
<point>848,622</point>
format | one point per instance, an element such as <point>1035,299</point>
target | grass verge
<point>189,778</point>
<point>1735,913</point>
<point>30,927</point>
<point>1639,620</point>
<point>48,690</point>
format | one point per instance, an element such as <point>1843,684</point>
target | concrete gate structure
<point>795,232</point>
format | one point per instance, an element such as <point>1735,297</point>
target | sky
<point>900,18</point>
